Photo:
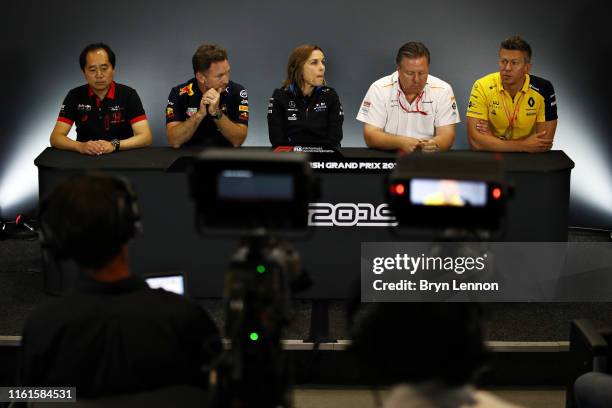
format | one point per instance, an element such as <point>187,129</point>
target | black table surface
<point>165,158</point>
<point>538,211</point>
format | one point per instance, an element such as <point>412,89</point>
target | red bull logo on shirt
<point>187,90</point>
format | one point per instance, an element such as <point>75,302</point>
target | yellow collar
<point>524,89</point>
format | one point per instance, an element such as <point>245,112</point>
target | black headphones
<point>128,210</point>
<point>128,219</point>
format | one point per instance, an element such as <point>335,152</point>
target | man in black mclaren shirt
<point>109,117</point>
<point>209,109</point>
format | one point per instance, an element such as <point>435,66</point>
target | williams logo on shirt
<point>320,107</point>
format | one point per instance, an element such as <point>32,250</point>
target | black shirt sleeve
<point>335,119</point>
<point>546,89</point>
<point>134,111</point>
<point>32,351</point>
<point>27,362</point>
<point>175,109</point>
<point>68,112</point>
<point>276,119</point>
<point>550,108</point>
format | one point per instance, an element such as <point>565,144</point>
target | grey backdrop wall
<point>154,42</point>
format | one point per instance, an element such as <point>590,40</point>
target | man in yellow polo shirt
<point>510,110</point>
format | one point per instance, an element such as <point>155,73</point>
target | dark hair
<point>295,65</point>
<point>412,50</point>
<point>205,55</point>
<point>94,47</point>
<point>416,342</point>
<point>516,43</point>
<point>88,218</point>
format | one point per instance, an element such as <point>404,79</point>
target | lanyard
<point>511,118</point>
<point>416,102</point>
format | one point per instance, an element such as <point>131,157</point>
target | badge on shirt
<point>320,107</point>
<point>169,112</point>
<point>117,117</point>
<point>187,90</point>
<point>365,107</point>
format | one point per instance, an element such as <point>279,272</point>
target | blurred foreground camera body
<point>451,190</point>
<point>249,195</point>
<point>257,292</point>
<point>237,192</point>
<point>261,271</point>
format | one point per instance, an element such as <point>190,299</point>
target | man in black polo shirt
<point>113,334</point>
<point>209,109</point>
<point>109,116</point>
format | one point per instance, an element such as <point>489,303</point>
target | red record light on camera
<point>398,189</point>
<point>496,193</point>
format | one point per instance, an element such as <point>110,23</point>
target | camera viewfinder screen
<point>247,185</point>
<point>448,193</point>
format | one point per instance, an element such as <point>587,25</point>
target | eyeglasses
<point>416,103</point>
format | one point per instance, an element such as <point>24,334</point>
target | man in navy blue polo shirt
<point>209,109</point>
<point>109,116</point>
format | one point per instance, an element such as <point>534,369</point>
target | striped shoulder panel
<point>546,89</point>
<point>541,86</point>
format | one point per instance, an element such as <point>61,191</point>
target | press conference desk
<point>350,211</point>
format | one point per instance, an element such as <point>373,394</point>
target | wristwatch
<point>218,115</point>
<point>116,144</point>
